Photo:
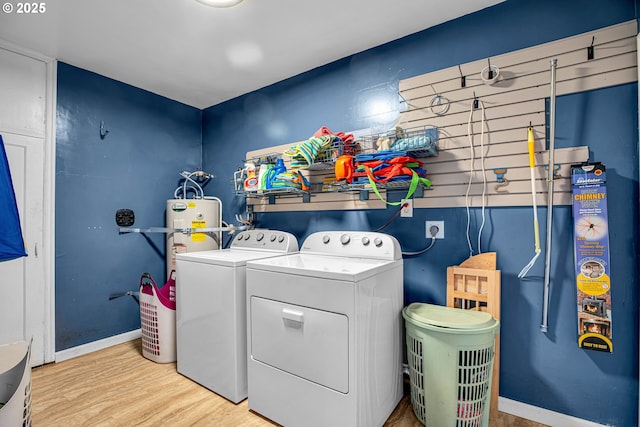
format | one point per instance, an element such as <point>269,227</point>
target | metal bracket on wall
<point>556,170</point>
<point>188,230</point>
<point>364,194</point>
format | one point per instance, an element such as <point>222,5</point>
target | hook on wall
<point>103,131</point>
<point>439,105</point>
<point>489,74</point>
<point>501,180</point>
<point>590,49</point>
<point>476,102</point>
<point>463,79</point>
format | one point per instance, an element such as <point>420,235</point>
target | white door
<point>22,304</point>
<point>26,126</point>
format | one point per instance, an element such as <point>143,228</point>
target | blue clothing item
<point>380,155</point>
<point>273,172</point>
<point>11,242</point>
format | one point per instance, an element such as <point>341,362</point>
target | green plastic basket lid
<point>448,317</point>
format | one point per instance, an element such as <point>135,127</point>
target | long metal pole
<point>550,175</point>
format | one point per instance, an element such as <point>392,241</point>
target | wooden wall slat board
<point>492,112</point>
<point>492,200</point>
<point>513,174</point>
<point>528,75</point>
<point>328,201</point>
<point>517,158</point>
<point>543,52</point>
<point>512,103</point>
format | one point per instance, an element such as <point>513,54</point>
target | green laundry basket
<point>450,353</point>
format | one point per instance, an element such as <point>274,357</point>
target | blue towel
<point>425,144</point>
<point>11,243</point>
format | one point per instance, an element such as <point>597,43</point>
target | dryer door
<point>309,343</point>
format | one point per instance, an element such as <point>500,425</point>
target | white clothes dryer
<point>211,317</point>
<point>325,331</point>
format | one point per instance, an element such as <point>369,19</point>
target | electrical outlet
<point>407,208</point>
<point>440,229</point>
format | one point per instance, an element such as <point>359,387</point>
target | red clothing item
<point>347,138</point>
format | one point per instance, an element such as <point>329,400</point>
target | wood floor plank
<point>118,387</point>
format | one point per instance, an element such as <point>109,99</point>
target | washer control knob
<point>272,238</point>
<point>259,237</point>
<point>247,236</point>
<point>345,239</point>
<point>326,239</point>
<point>365,241</point>
<point>280,238</point>
<point>377,241</point>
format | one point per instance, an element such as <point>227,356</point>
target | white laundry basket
<point>158,319</point>
<point>15,384</point>
<point>450,353</point>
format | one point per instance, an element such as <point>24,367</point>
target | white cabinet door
<point>23,82</point>
<point>25,305</point>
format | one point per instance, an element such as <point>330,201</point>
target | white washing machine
<point>211,317</point>
<point>325,331</point>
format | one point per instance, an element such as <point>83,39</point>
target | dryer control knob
<point>259,237</point>
<point>272,238</point>
<point>325,239</point>
<point>247,236</point>
<point>345,239</point>
<point>377,241</point>
<point>280,239</point>
<point>365,241</point>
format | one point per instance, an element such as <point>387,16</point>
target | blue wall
<point>150,140</point>
<point>546,370</point>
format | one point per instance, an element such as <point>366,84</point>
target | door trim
<point>49,209</point>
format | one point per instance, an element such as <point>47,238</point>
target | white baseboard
<point>97,345</point>
<point>542,416</point>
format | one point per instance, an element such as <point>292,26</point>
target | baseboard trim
<point>72,352</point>
<point>541,415</point>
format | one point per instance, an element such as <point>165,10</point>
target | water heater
<point>193,214</point>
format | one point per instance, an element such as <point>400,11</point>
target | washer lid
<point>227,257</point>
<point>448,317</point>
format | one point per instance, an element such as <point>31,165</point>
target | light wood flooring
<point>119,387</point>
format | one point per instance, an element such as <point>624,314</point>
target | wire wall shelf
<point>418,142</point>
<point>271,193</point>
<point>324,160</point>
<point>364,189</point>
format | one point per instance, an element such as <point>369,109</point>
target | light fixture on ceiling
<point>219,3</point>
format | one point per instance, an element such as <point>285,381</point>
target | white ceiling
<point>202,56</point>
